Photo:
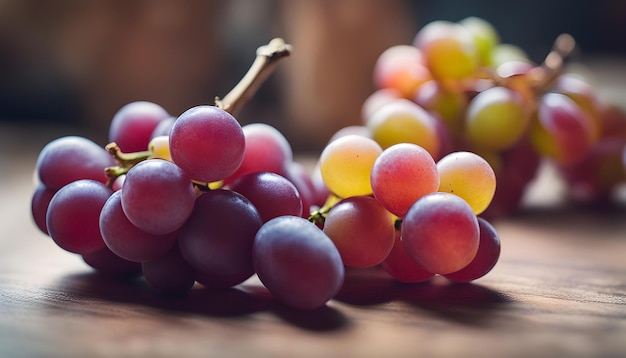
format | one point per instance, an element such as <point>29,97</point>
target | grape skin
<point>440,232</point>
<point>362,231</point>
<point>297,262</point>
<point>217,238</point>
<point>401,266</point>
<point>39,206</point>
<point>157,196</point>
<point>70,158</point>
<point>170,273</point>
<point>125,239</point>
<point>73,216</point>
<point>133,125</point>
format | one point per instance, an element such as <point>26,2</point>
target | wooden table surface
<point>559,290</point>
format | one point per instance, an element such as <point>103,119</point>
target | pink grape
<point>207,143</point>
<point>217,238</point>
<point>400,68</point>
<point>297,262</point>
<point>127,240</point>
<point>272,195</point>
<point>298,176</point>
<point>157,196</point>
<point>71,158</point>
<point>267,150</point>
<point>402,267</point>
<point>73,215</point>
<point>402,174</point>
<point>440,232</point>
<point>132,126</point>
<point>486,257</point>
<point>362,231</point>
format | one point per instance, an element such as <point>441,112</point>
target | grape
<point>496,119</point>
<point>584,95</point>
<point>448,50</point>
<point>449,105</point>
<point>297,262</point>
<point>207,143</point>
<point>164,127</point>
<point>71,158</point>
<point>271,194</point>
<point>157,196</point>
<point>125,239</point>
<point>217,238</point>
<point>402,174</point>
<point>39,206</point>
<point>73,215</point>
<point>376,100</point>
<point>160,147</point>
<point>401,266</point>
<point>267,150</point>
<point>133,125</point>
<point>486,256</point>
<point>170,273</point>
<point>485,37</point>
<point>440,232</point>
<point>470,177</point>
<point>363,131</point>
<point>400,68</point>
<point>106,262</point>
<point>346,164</point>
<point>503,53</point>
<point>562,131</point>
<point>362,231</point>
<point>403,121</point>
<point>300,178</point>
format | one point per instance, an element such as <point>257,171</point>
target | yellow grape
<point>468,176</point>
<point>403,121</point>
<point>448,49</point>
<point>160,147</point>
<point>346,164</point>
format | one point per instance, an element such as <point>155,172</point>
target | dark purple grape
<point>73,216</point>
<point>297,262</point>
<point>39,206</point>
<point>105,261</point>
<point>217,238</point>
<point>170,273</point>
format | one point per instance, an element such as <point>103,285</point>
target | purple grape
<point>207,143</point>
<point>132,126</point>
<point>125,239</point>
<point>157,196</point>
<point>272,194</point>
<point>486,257</point>
<point>170,273</point>
<point>164,127</point>
<point>217,238</point>
<point>105,261</point>
<point>39,206</point>
<point>73,216</point>
<point>297,262</point>
<point>71,158</point>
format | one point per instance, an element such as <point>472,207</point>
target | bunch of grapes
<point>456,87</point>
<point>198,198</point>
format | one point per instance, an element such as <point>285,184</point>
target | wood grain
<point>559,290</point>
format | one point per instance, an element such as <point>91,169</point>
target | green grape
<point>448,50</point>
<point>504,53</point>
<point>468,176</point>
<point>346,164</point>
<point>496,119</point>
<point>403,121</point>
<point>485,37</point>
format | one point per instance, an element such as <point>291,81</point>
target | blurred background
<point>75,63</point>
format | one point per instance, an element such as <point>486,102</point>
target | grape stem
<point>267,57</point>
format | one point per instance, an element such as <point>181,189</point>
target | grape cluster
<point>457,87</point>
<point>198,198</point>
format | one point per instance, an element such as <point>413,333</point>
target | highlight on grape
<point>198,199</point>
